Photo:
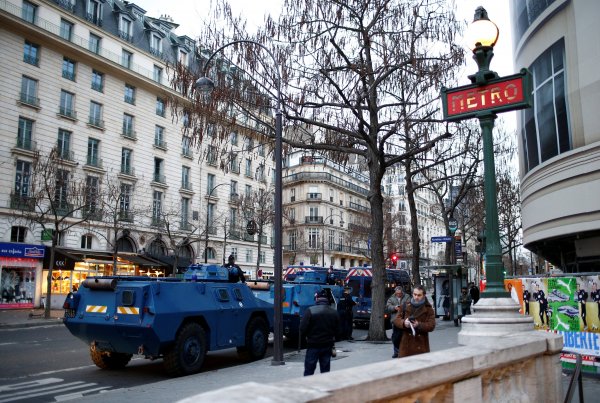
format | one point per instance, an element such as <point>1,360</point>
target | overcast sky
<point>191,15</point>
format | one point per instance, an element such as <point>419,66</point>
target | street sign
<point>499,95</point>
<point>452,225</point>
<point>441,239</point>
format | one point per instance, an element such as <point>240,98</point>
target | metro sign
<point>498,95</point>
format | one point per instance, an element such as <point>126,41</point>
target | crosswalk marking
<point>47,386</point>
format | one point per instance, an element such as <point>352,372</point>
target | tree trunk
<point>49,279</point>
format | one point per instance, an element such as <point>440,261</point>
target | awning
<point>140,260</point>
<point>104,257</point>
<point>63,259</point>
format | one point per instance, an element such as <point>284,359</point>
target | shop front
<point>20,266</point>
<point>73,266</point>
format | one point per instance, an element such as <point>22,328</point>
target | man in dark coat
<point>344,308</point>
<point>235,271</point>
<point>320,325</point>
<point>395,303</point>
<point>419,320</point>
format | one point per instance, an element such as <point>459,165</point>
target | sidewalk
<point>15,318</point>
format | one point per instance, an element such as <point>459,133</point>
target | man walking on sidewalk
<point>320,325</point>
<point>418,320</point>
<point>394,307</point>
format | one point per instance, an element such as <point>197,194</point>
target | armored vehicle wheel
<point>186,356</point>
<point>109,360</point>
<point>257,338</point>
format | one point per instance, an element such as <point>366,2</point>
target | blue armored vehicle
<point>298,295</point>
<point>178,320</point>
<point>359,280</point>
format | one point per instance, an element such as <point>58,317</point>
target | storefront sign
<point>500,95</point>
<point>21,250</point>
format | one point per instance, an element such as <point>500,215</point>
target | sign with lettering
<point>498,95</point>
<point>22,250</point>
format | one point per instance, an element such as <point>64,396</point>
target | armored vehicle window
<point>128,297</point>
<point>237,294</point>
<point>222,294</point>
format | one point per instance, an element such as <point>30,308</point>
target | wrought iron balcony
<point>21,202</point>
<point>313,219</point>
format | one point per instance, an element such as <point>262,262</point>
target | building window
<point>233,189</point>
<point>94,12</point>
<point>185,178</point>
<point>158,170</point>
<point>159,137</point>
<point>248,167</point>
<point>29,12</point>
<point>156,205</point>
<point>157,74</point>
<point>185,213</point>
<point>29,91</point>
<point>97,81</point>
<point>211,155</point>
<point>125,199</point>
<point>210,183</point>
<point>160,107</point>
<point>129,94</point>
<point>66,104</point>
<point>262,257</point>
<point>66,29</point>
<point>86,242</point>
<point>545,127</point>
<point>126,163</point>
<point>233,138</point>
<point>61,190</point>
<point>126,58</point>
<point>313,238</point>
<point>25,133</point>
<point>22,177</point>
<point>96,114</point>
<point>94,43</point>
<point>156,45</point>
<point>186,146</point>
<point>125,29</point>
<point>63,144</point>
<point>249,256</point>
<point>68,69</point>
<point>18,234</point>
<point>31,53</point>
<point>183,57</point>
<point>91,195</point>
<point>93,152</point>
<point>293,239</point>
<point>248,191</point>
<point>233,217</point>
<point>128,126</point>
<point>292,194</point>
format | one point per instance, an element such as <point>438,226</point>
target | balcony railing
<point>129,99</point>
<point>313,219</point>
<point>69,75</point>
<point>20,202</point>
<point>127,170</point>
<point>186,185</point>
<point>235,168</point>
<point>233,234</point>
<point>96,122</point>
<point>66,155</point>
<point>358,207</point>
<point>29,99</point>
<point>234,197</point>
<point>156,53</point>
<point>31,60</point>
<point>159,178</point>
<point>97,87</point>
<point>126,35</point>
<point>157,222</point>
<point>67,112</point>
<point>94,19</point>
<point>186,152</point>
<point>129,134</point>
<point>313,196</point>
<point>93,162</point>
<point>125,215</point>
<point>66,4</point>
<point>26,144</point>
<point>160,144</point>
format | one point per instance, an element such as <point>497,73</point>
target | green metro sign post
<point>487,95</point>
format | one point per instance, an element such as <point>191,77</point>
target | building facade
<point>560,136</point>
<point>326,213</point>
<point>89,80</point>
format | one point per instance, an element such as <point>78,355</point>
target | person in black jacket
<point>235,271</point>
<point>344,308</point>
<point>319,325</point>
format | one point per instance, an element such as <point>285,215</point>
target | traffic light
<point>394,258</point>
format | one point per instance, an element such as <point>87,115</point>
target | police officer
<point>344,308</point>
<point>235,272</point>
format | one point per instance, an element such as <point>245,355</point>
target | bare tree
<point>57,201</point>
<point>347,68</point>
<point>257,207</point>
<point>509,212</point>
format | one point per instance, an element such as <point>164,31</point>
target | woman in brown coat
<point>418,320</point>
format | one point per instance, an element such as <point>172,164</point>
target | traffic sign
<point>441,239</point>
<point>452,225</point>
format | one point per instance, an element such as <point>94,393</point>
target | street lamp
<point>482,36</point>
<point>323,240</point>
<point>207,222</point>
<point>206,84</point>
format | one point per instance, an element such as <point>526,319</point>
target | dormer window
<point>94,12</point>
<point>125,26</point>
<point>183,57</point>
<point>156,45</point>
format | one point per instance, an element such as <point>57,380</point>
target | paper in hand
<point>412,328</point>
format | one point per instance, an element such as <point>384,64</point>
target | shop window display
<point>17,287</point>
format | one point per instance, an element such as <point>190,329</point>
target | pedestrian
<point>394,307</point>
<point>465,301</point>
<point>344,308</point>
<point>526,299</point>
<point>319,325</point>
<point>330,276</point>
<point>418,320</point>
<point>540,296</point>
<point>474,291</point>
<point>582,296</point>
<point>235,271</point>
